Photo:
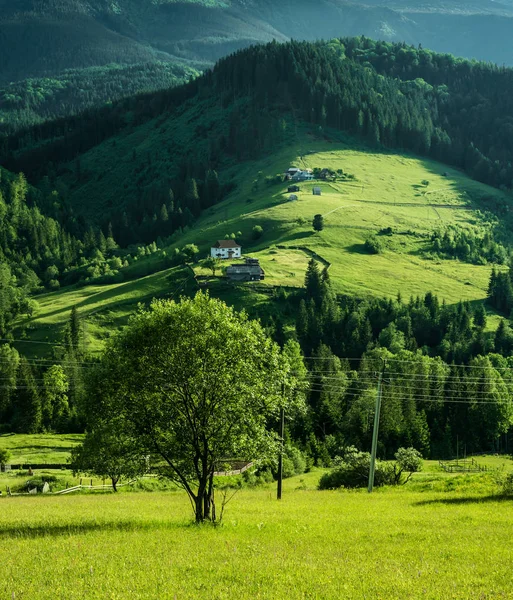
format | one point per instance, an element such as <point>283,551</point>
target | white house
<point>226,249</point>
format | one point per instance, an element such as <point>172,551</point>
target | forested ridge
<point>454,110</point>
<point>31,101</point>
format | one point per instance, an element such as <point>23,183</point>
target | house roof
<point>226,244</point>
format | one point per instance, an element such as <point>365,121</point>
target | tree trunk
<point>114,483</point>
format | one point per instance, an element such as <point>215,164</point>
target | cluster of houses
<point>250,270</point>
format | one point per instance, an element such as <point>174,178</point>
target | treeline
<point>467,246</point>
<point>41,395</point>
<point>32,101</point>
<point>424,340</point>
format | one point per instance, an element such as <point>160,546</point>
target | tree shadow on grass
<point>465,500</point>
<point>27,531</point>
<point>298,235</point>
<point>357,249</point>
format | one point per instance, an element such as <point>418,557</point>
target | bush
<point>373,245</point>
<point>353,472</point>
<point>297,459</point>
<point>5,456</point>
<point>507,485</point>
<point>257,232</point>
<point>36,482</point>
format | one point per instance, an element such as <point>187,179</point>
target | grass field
<point>396,543</point>
<point>387,192</point>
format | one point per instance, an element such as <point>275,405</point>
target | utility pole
<point>375,432</point>
<point>280,456</point>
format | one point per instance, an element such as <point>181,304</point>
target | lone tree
<point>318,223</point>
<point>213,264</point>
<point>193,384</point>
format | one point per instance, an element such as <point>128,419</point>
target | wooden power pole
<point>280,456</point>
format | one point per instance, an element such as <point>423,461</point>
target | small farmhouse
<point>226,249</point>
<point>292,172</point>
<point>316,191</point>
<point>249,271</point>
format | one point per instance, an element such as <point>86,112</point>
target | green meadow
<point>437,537</point>
<point>413,196</point>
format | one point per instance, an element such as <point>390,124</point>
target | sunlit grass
<point>396,543</point>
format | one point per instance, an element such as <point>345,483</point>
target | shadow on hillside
<point>39,531</point>
<point>465,500</point>
<point>356,249</point>
<point>298,235</point>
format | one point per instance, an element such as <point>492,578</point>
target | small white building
<point>226,249</point>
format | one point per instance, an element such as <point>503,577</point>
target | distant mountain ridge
<point>46,37</point>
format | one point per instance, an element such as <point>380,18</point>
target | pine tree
<point>313,282</point>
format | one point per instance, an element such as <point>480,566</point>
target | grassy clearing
<point>388,192</point>
<point>402,543</point>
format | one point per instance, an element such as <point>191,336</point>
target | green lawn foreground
<point>398,543</point>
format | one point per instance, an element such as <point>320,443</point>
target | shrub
<point>5,456</point>
<point>507,485</point>
<point>257,232</point>
<point>373,245</point>
<point>353,472</point>
<point>297,459</point>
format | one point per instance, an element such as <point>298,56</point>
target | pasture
<point>413,196</point>
<point>430,539</point>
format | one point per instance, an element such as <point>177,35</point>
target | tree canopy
<point>194,384</point>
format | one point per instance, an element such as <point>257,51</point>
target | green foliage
<point>193,383</point>
<point>318,223</point>
<point>465,245</point>
<point>5,456</point>
<point>257,232</point>
<point>108,452</point>
<point>373,245</point>
<point>353,472</point>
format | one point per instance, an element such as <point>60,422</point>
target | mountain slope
<point>413,197</point>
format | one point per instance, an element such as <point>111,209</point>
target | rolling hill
<point>197,163</point>
<point>412,196</point>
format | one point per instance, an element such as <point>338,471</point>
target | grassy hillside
<point>412,196</point>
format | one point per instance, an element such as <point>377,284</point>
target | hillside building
<point>226,249</point>
<point>249,271</point>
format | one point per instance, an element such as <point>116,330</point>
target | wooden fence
<point>463,465</point>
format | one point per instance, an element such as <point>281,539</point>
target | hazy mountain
<point>45,37</point>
